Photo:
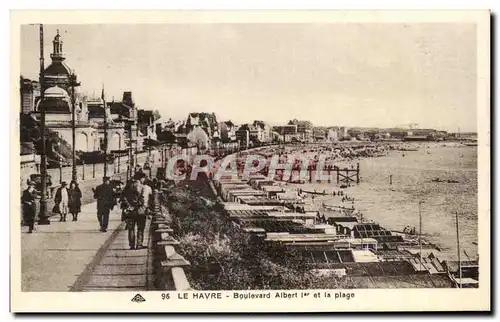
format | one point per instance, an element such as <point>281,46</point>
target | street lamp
<point>73,83</point>
<point>43,218</point>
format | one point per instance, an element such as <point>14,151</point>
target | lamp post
<point>43,218</point>
<point>73,83</point>
<point>105,135</point>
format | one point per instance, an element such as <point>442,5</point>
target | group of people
<point>135,200</point>
<point>136,203</point>
<point>410,230</point>
<point>66,200</point>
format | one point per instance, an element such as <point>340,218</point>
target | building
<point>227,131</point>
<point>147,124</point>
<point>304,130</point>
<point>332,135</point>
<point>247,134</point>
<point>60,97</point>
<point>263,131</point>
<point>287,133</point>
<point>125,112</point>
<point>30,93</point>
<point>206,121</point>
<point>59,100</point>
<point>102,119</point>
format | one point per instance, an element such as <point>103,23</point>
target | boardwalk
<point>76,256</point>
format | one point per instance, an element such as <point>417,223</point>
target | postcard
<point>250,161</point>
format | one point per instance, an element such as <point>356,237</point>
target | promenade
<point>76,256</point>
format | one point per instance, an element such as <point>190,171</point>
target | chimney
<point>127,99</point>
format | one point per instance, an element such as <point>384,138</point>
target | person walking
<point>147,194</point>
<point>135,211</point>
<point>28,205</point>
<point>105,202</point>
<point>61,199</point>
<point>75,200</point>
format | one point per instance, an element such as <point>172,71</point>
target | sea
<point>395,206</point>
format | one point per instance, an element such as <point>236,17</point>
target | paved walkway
<point>76,256</point>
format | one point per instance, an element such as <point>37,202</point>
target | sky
<point>367,75</point>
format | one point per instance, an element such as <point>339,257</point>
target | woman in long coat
<point>28,205</point>
<point>75,199</point>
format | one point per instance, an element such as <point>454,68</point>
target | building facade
<point>61,95</point>
<point>287,133</point>
<point>30,93</point>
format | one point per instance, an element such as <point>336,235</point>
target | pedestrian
<point>28,205</point>
<point>61,200</point>
<point>105,202</point>
<point>136,212</point>
<point>75,200</point>
<point>147,194</point>
<point>123,201</point>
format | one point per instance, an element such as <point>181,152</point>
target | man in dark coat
<point>135,211</point>
<point>28,205</point>
<point>105,196</point>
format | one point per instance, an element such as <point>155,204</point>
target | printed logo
<point>138,298</point>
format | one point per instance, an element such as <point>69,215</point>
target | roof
<point>298,238</point>
<point>341,219</point>
<point>56,91</point>
<point>364,256</point>
<point>271,227</point>
<point>57,68</point>
<point>55,105</point>
<point>238,206</point>
<point>247,213</point>
<point>348,224</point>
<point>291,215</point>
<point>120,108</point>
<point>238,192</point>
<point>358,241</point>
<point>285,129</point>
<point>229,123</point>
<point>272,188</point>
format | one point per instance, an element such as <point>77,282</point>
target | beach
<point>396,206</point>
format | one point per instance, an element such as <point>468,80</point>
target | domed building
<point>89,111</point>
<point>56,87</point>
<point>58,73</point>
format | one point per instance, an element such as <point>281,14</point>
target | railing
<point>168,265</point>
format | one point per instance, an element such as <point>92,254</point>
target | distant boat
<point>316,192</point>
<point>444,181</point>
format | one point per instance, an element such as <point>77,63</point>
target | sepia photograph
<point>244,160</point>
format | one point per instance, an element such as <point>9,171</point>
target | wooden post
<point>390,179</point>
<point>338,175</point>
<point>458,252</point>
<point>357,174</point>
<point>83,170</point>
<point>93,170</point>
<point>420,232</point>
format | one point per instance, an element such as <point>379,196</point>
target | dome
<point>56,91</point>
<point>57,68</point>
